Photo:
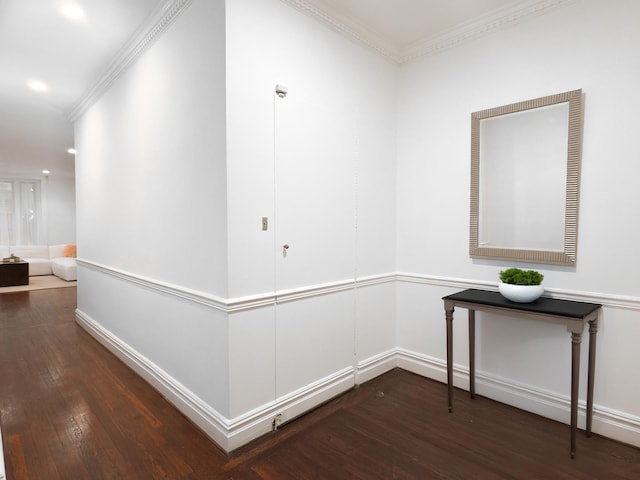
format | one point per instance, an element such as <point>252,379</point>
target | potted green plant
<point>522,286</point>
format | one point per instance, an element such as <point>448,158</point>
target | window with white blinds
<point>20,212</point>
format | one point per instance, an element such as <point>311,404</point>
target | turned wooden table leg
<point>449,318</point>
<point>576,338</point>
<point>472,353</point>
<point>593,330</point>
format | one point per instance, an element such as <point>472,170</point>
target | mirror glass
<point>524,180</point>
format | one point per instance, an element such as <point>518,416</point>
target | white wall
<point>173,176</point>
<point>589,45</point>
<point>239,335</point>
<point>152,210</point>
<point>320,164</point>
<point>59,199</point>
<point>344,84</point>
<point>151,163</point>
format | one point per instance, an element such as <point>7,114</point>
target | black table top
<point>543,305</point>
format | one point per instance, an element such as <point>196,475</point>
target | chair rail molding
<point>238,304</point>
<point>250,302</point>
<point>606,299</point>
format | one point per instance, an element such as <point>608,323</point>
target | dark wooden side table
<point>566,312</point>
<point>14,273</point>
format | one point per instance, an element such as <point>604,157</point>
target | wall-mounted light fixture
<point>282,90</point>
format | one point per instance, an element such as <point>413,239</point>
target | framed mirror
<point>525,174</point>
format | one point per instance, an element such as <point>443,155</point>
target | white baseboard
<point>542,403</point>
<point>609,423</point>
<point>425,366</point>
<point>619,426</point>
<point>262,420</point>
<point>2,471</point>
<point>210,421</point>
<point>265,418</point>
<point>375,366</point>
<point>230,434</point>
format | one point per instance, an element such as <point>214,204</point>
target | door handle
<point>285,247</point>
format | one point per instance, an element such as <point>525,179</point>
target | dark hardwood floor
<point>70,410</point>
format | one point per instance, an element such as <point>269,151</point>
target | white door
<point>315,230</point>
<point>315,190</point>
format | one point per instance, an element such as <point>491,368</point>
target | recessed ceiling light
<point>46,172</point>
<point>72,151</point>
<point>37,85</point>
<point>72,12</point>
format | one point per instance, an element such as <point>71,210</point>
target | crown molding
<point>156,24</point>
<point>491,22</point>
<point>166,13</point>
<point>348,28</point>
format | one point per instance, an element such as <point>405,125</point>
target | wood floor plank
<point>69,409</point>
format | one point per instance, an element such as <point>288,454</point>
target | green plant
<point>517,276</point>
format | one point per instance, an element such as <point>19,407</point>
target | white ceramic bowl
<point>521,293</point>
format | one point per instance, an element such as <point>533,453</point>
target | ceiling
<point>396,27</point>
<point>38,42</point>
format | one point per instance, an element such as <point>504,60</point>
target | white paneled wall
<point>320,165</point>
<point>209,309</point>
<point>314,339</point>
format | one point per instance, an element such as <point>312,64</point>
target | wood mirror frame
<point>566,253</point>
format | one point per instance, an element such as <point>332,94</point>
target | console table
<point>572,314</point>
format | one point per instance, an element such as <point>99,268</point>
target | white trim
<point>347,28</point>
<point>260,421</point>
<point>153,28</point>
<point>494,21</point>
<point>375,366</point>
<point>284,296</point>
<point>371,280</point>
<point>211,422</point>
<point>250,302</point>
<point>445,281</point>
<point>2,470</point>
<point>230,434</point>
<point>233,433</point>
<point>610,423</point>
<point>238,304</point>
<point>617,425</point>
<point>191,295</point>
<point>605,299</point>
<point>491,22</point>
<point>167,12</point>
<point>431,367</point>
